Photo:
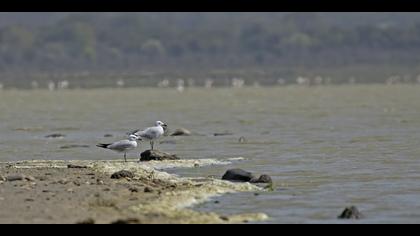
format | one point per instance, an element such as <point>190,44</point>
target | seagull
<point>151,133</point>
<point>122,145</point>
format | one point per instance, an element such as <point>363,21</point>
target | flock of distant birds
<point>235,82</point>
<point>150,134</point>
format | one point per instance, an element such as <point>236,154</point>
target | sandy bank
<point>54,193</point>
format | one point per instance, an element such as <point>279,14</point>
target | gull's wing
<point>149,133</point>
<point>121,145</point>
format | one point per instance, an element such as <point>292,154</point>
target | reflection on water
<point>325,147</point>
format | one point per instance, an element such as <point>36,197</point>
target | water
<point>325,147</point>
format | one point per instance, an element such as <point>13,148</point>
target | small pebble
<point>15,177</point>
<point>148,190</point>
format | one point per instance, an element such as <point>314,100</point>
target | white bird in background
<point>152,133</point>
<point>122,146</point>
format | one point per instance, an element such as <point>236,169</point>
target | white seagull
<point>152,133</point>
<point>122,146</point>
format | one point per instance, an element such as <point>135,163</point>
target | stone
<point>242,139</point>
<point>223,133</point>
<point>70,166</point>
<point>351,213</point>
<point>181,132</point>
<point>155,155</point>
<point>262,179</point>
<point>245,176</point>
<point>55,136</point>
<point>127,221</point>
<point>238,175</point>
<point>122,174</point>
<point>11,178</point>
<point>148,190</point>
<point>63,181</point>
<point>30,178</point>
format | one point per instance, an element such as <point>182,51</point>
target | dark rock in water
<point>245,176</point>
<point>223,133</point>
<point>150,155</point>
<point>55,136</point>
<point>351,213</point>
<point>181,132</point>
<point>127,221</point>
<point>108,135</point>
<point>122,174</point>
<point>242,139</point>
<point>76,166</point>
<point>238,175</point>
<point>11,178</point>
<point>265,179</point>
<point>74,146</point>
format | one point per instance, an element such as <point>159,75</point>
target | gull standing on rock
<point>152,133</point>
<point>122,146</point>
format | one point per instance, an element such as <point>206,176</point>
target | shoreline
<point>50,192</point>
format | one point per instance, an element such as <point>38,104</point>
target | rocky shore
<point>138,192</point>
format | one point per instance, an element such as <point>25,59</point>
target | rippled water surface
<point>325,147</point>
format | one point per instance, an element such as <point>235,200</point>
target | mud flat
<point>84,192</point>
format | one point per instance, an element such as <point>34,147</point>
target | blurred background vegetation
<point>97,49</point>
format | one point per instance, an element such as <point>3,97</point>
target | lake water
<point>325,147</point>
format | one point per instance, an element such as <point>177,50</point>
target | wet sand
<point>50,192</point>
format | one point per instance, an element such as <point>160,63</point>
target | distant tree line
<point>107,42</point>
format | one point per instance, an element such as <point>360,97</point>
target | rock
<point>55,136</point>
<point>15,178</point>
<point>42,178</point>
<point>242,139</point>
<point>63,181</point>
<point>181,132</point>
<point>122,174</point>
<point>108,135</point>
<point>76,166</point>
<point>150,155</point>
<point>127,221</point>
<point>30,178</point>
<point>262,179</point>
<point>74,146</point>
<point>351,213</point>
<point>245,176</point>
<point>223,133</point>
<point>224,218</point>
<point>134,190</point>
<point>148,190</point>
<point>2,178</point>
<point>238,175</point>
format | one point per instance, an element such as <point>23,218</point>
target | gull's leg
<point>125,156</point>
<point>151,144</point>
